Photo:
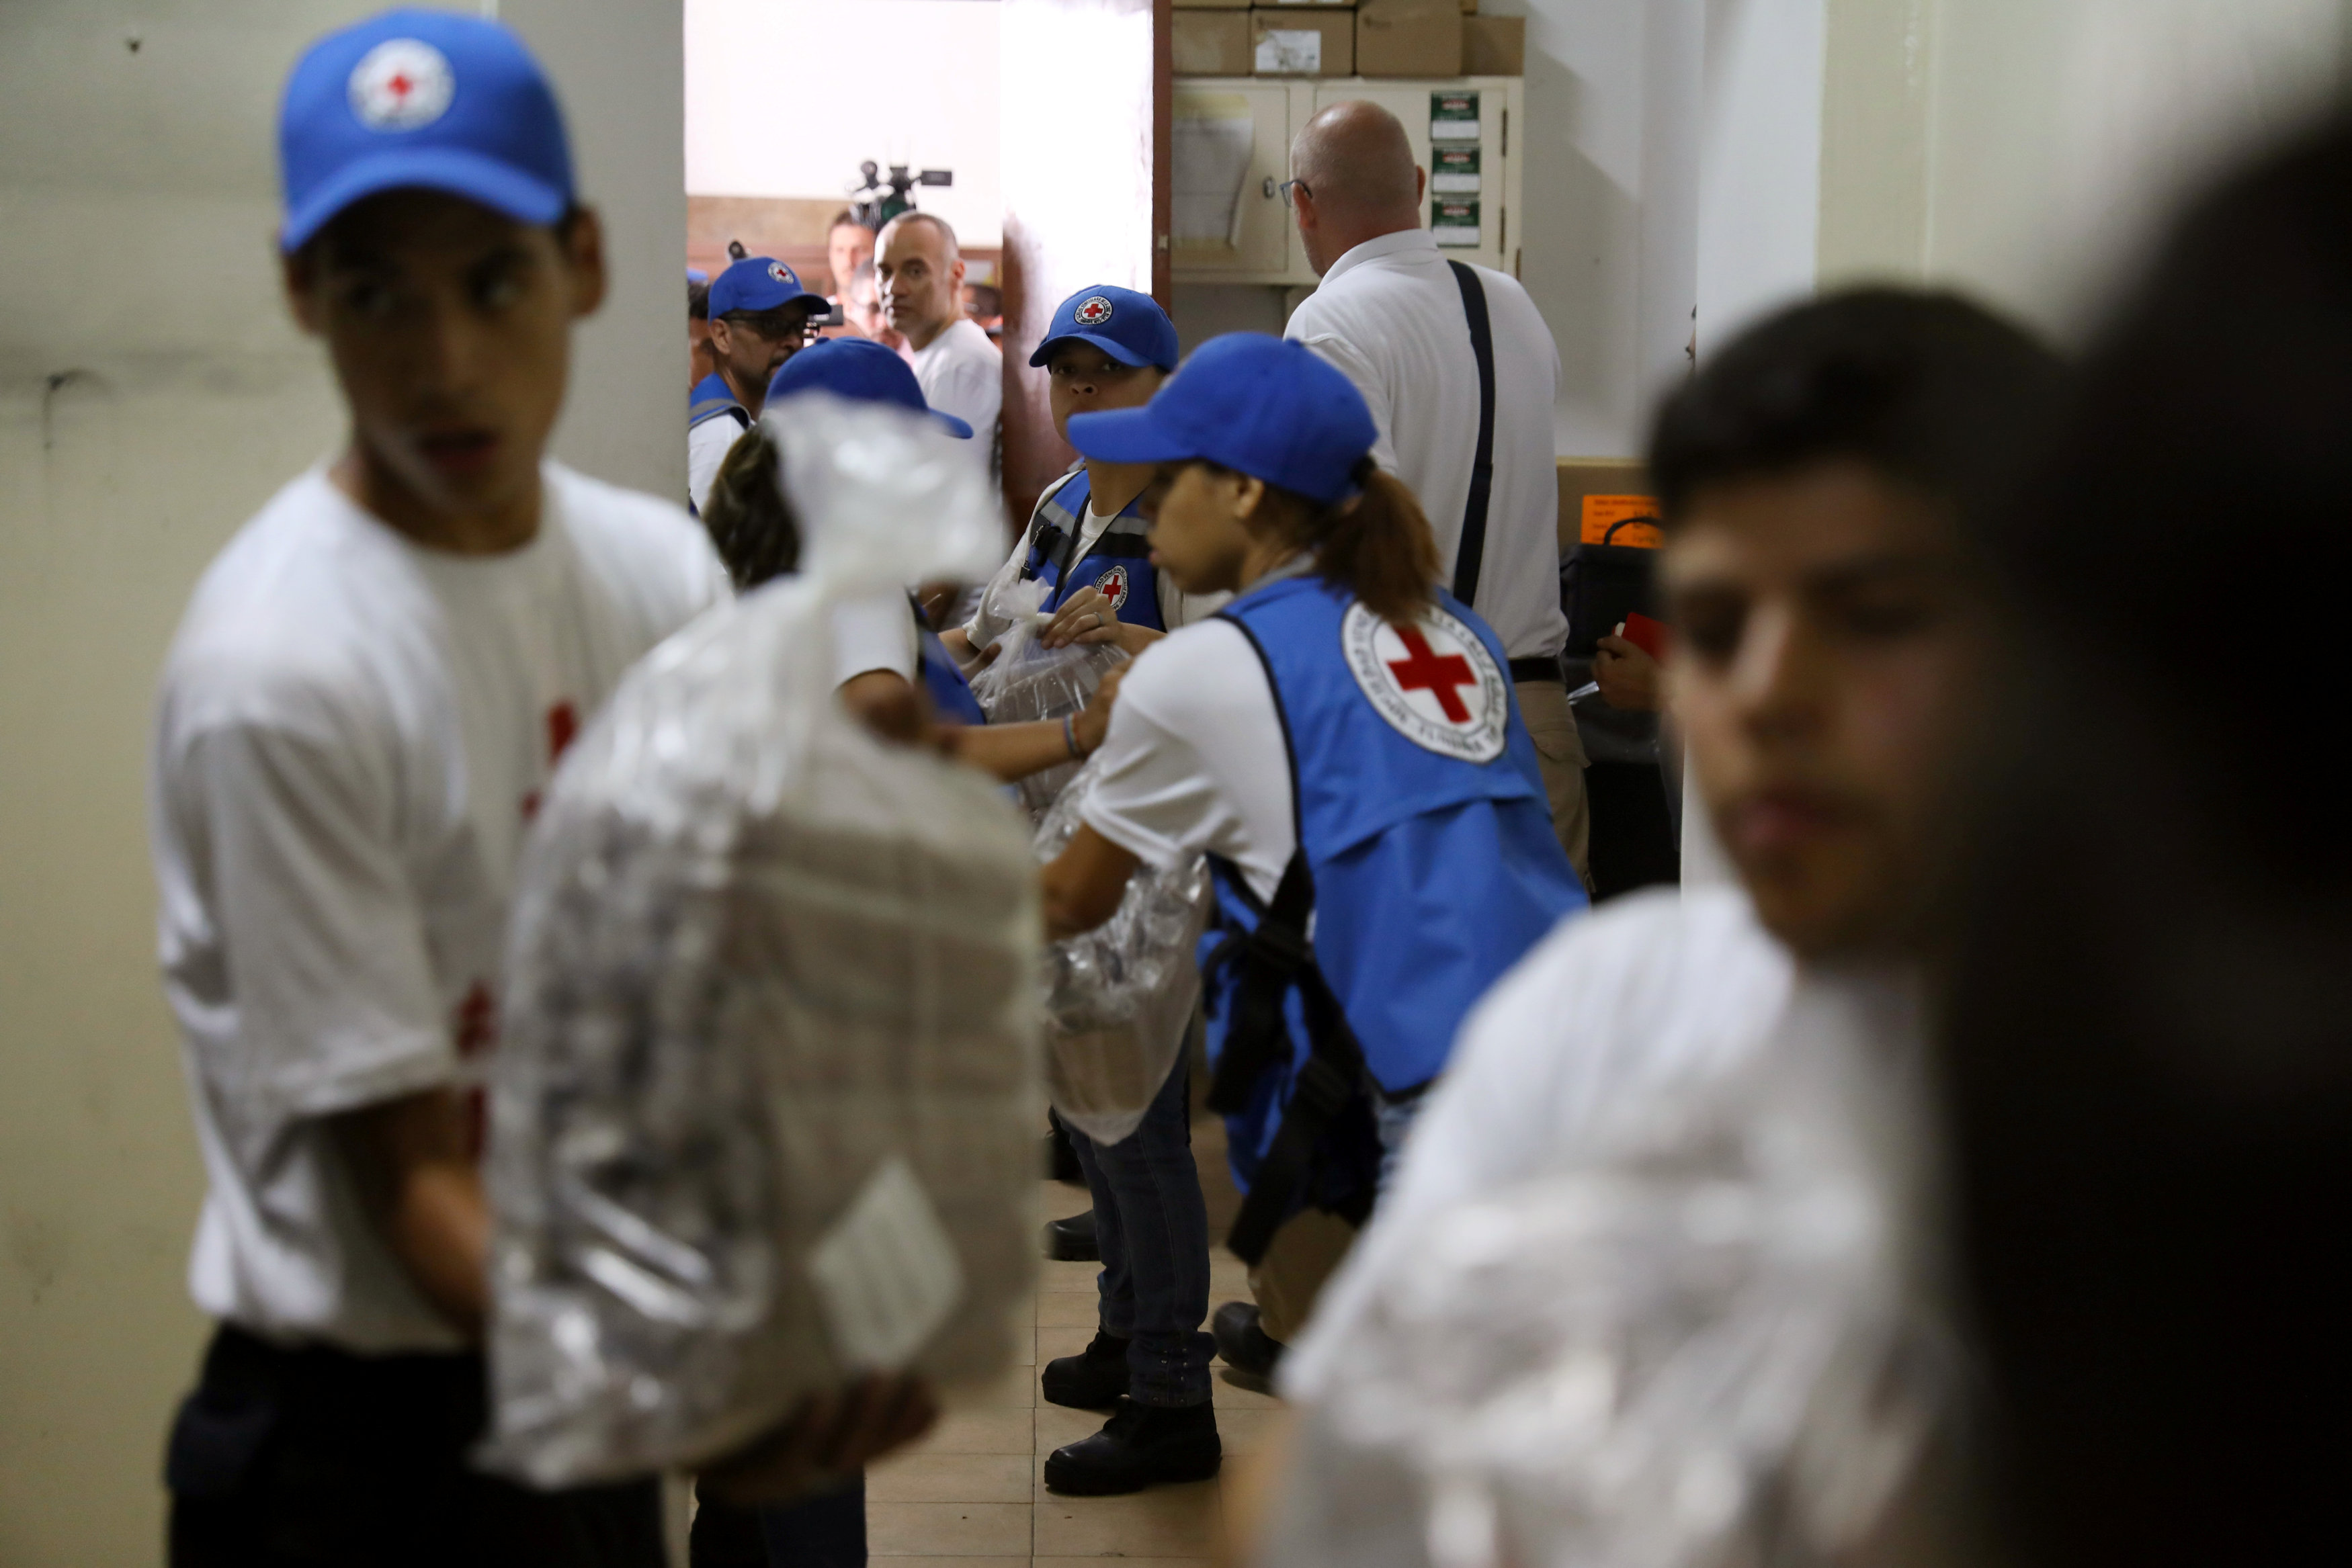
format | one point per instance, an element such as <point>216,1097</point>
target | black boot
<point>1139,1445</point>
<point>1245,1346</point>
<point>1072,1241</point>
<point>1094,1379</point>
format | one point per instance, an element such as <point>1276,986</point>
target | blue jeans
<point>1153,1228</point>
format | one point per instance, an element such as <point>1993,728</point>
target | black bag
<point>1600,584</point>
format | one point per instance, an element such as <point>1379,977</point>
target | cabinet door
<point>1413,102</point>
<point>1230,144</point>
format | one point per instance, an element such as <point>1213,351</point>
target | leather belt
<point>1537,670</point>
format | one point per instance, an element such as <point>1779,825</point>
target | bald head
<point>1359,181</point>
<point>919,277</point>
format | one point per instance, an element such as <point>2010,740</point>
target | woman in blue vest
<point>1343,742</point>
<point>1108,347</point>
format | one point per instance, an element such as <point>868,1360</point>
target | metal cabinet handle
<point>1268,189</point>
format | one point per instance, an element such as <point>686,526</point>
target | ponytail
<point>750,522</point>
<point>1376,544</point>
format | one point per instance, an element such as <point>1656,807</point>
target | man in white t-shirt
<point>1821,478</point>
<point>365,701</point>
<point>1393,315</point>
<point>920,275</point>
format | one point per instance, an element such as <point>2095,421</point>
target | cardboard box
<point>1409,39</point>
<point>1302,41</point>
<point>1307,5</point>
<point>1211,43</point>
<point>1212,5</point>
<point>1494,45</point>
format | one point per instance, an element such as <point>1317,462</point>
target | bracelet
<point>1070,734</point>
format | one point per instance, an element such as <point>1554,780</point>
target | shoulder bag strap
<point>1467,559</point>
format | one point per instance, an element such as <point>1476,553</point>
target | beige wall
<point>151,395</point>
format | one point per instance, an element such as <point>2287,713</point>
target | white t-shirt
<point>963,373</point>
<point>706,445</point>
<point>1194,761</point>
<point>352,735</point>
<point>1625,1020</point>
<point>1389,315</point>
<point>876,633</point>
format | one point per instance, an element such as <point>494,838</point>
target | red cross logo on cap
<point>781,273</point>
<point>1432,680</point>
<point>402,84</point>
<point>1093,312</point>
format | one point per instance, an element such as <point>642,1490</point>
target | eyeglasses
<point>1289,185</point>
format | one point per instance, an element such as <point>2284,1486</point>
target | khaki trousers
<point>1559,753</point>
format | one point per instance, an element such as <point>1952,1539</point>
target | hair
<point>843,219</point>
<point>1375,544</point>
<point>946,232</point>
<point>1928,389</point>
<point>2148,1035</point>
<point>750,523</point>
<point>698,299</point>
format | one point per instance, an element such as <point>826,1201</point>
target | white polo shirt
<point>1389,315</point>
<point>961,373</point>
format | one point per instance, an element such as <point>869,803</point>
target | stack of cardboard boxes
<point>1419,38</point>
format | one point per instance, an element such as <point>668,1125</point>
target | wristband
<point>1070,734</point>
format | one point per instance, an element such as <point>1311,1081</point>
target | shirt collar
<point>1380,245</point>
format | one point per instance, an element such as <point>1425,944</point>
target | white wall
<point>1611,199</point>
<point>152,394</point>
<point>1759,159</point>
<point>786,97</point>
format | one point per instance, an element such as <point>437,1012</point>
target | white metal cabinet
<point>1267,245</point>
<point>1501,116</point>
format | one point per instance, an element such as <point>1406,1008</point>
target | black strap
<point>1277,956</point>
<point>1473,552</point>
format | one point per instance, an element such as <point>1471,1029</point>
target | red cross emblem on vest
<point>1433,679</point>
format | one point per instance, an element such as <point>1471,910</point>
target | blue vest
<point>711,397</point>
<point>1117,565</point>
<point>1429,870</point>
<point>952,695</point>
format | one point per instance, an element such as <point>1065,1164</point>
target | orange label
<point>1603,512</point>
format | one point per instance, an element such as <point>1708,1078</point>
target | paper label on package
<point>1454,222</point>
<point>886,1274</point>
<point>1453,171</point>
<point>1290,51</point>
<point>1454,117</point>
<point>1638,513</point>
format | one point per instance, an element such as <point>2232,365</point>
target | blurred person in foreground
<point>1582,1232</point>
<point>2150,1008</point>
<point>367,696</point>
<point>920,275</point>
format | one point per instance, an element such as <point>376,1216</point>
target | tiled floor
<point>974,1492</point>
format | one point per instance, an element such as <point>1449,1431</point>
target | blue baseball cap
<point>1129,327</point>
<point>420,98</point>
<point>758,283</point>
<point>861,371</point>
<point>1250,402</point>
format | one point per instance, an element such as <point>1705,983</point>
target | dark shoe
<point>1072,1241</point>
<point>1139,1445</point>
<point>1245,1346</point>
<point>1094,1379</point>
<point>1061,1160</point>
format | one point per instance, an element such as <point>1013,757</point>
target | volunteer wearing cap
<point>919,274</point>
<point>1108,347</point>
<point>758,318</point>
<point>365,700</point>
<point>1405,325</point>
<point>882,649</point>
<point>1343,743</point>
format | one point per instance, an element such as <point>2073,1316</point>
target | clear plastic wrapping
<point>765,1105</point>
<point>1118,999</point>
<point>1028,681</point>
<point>1698,1351</point>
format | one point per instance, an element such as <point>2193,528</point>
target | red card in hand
<point>1652,637</point>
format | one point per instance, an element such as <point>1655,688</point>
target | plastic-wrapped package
<point>1699,1351</point>
<point>1118,999</point>
<point>1028,681</point>
<point>764,1109</point>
